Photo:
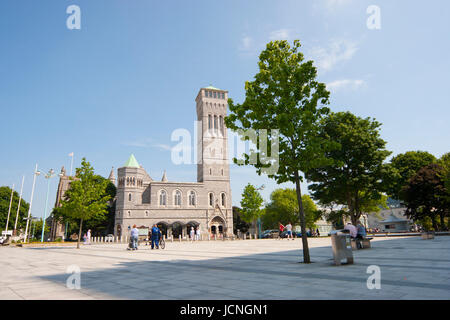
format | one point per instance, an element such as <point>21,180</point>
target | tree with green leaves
<point>238,223</point>
<point>354,179</point>
<point>425,196</point>
<point>444,162</point>
<point>5,198</point>
<point>251,204</point>
<point>86,198</point>
<point>283,207</point>
<point>284,96</point>
<point>402,167</point>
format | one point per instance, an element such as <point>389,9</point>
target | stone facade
<point>178,206</point>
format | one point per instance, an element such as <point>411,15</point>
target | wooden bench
<point>361,243</point>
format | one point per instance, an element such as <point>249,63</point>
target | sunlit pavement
<point>411,268</point>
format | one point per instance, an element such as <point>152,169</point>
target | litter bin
<point>342,247</point>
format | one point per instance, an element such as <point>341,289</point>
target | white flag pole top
<point>71,163</point>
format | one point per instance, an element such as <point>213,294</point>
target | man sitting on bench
<point>362,234</point>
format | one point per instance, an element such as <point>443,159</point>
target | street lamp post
<point>36,173</point>
<point>259,218</point>
<point>48,176</point>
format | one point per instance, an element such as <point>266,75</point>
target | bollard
<point>245,236</point>
<point>179,237</point>
<point>255,236</point>
<point>171,238</point>
<point>215,236</point>
<point>209,237</point>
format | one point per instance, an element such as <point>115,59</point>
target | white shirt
<point>289,227</point>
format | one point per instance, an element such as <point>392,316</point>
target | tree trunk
<point>79,234</point>
<point>433,219</point>
<point>441,216</point>
<point>306,258</point>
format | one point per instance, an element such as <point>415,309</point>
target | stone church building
<point>177,206</point>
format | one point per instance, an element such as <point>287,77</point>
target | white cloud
<point>162,146</point>
<point>332,4</point>
<point>338,51</point>
<point>282,34</point>
<point>345,84</point>
<point>247,45</point>
<point>146,143</point>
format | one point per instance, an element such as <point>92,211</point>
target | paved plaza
<point>411,268</point>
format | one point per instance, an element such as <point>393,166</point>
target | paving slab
<point>411,268</point>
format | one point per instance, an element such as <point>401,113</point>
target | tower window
<point>211,199</point>
<point>214,94</point>
<point>210,171</point>
<point>221,124</point>
<point>129,197</point>
<point>223,199</point>
<point>162,198</point>
<point>192,198</point>
<point>215,123</point>
<point>206,93</point>
<point>209,122</point>
<point>210,94</point>
<point>178,198</point>
<point>223,95</point>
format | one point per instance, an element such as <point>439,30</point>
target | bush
<point>58,240</point>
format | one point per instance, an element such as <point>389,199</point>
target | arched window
<point>177,198</point>
<point>162,198</point>
<point>215,94</point>
<point>221,124</point>
<point>211,199</point>
<point>128,181</point>
<point>134,181</point>
<point>210,171</point>
<point>192,198</point>
<point>223,199</point>
<point>215,123</point>
<point>129,197</point>
<point>209,122</point>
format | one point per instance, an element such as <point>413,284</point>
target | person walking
<point>318,232</point>
<point>88,235</point>
<point>198,233</point>
<point>192,233</point>
<point>155,236</point>
<point>149,236</point>
<point>289,231</point>
<point>134,236</point>
<point>85,239</point>
<point>280,230</point>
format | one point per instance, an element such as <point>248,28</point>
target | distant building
<point>176,207</point>
<point>390,220</point>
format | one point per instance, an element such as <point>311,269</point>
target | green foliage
<point>285,96</point>
<point>402,167</point>
<point>283,208</point>
<point>251,203</point>
<point>36,229</point>
<point>425,196</point>
<point>355,176</point>
<point>5,197</point>
<point>444,162</point>
<point>86,199</point>
<point>238,223</point>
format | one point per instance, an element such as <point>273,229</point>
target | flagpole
<point>18,207</point>
<point>9,210</point>
<point>36,173</point>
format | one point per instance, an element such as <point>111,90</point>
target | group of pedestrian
<point>195,234</point>
<point>154,236</point>
<point>87,237</point>
<point>287,228</point>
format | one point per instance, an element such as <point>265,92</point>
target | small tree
<point>283,207</point>
<point>86,197</point>
<point>285,96</point>
<point>354,179</point>
<point>402,167</point>
<point>251,203</point>
<point>425,196</point>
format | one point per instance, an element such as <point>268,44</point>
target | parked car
<point>269,234</point>
<point>109,238</point>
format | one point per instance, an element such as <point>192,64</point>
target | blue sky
<point>129,77</point>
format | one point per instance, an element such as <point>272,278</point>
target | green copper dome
<point>132,162</point>
<point>213,88</point>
